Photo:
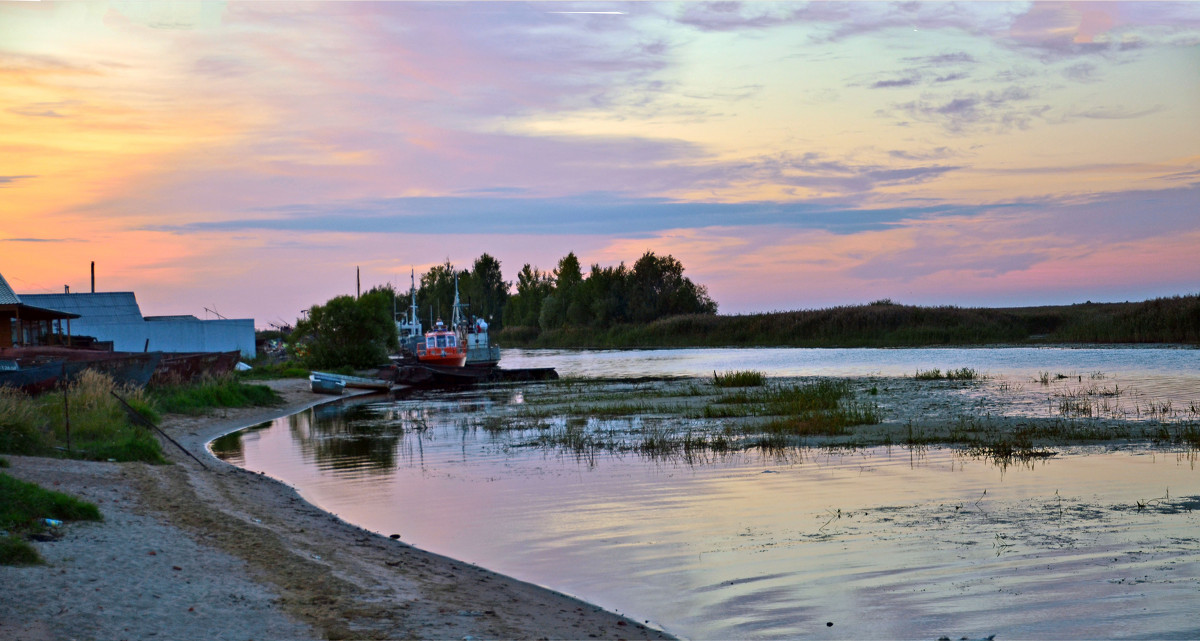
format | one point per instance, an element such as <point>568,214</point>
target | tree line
<point>360,332</point>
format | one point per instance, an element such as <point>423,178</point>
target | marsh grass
<point>743,378</point>
<point>23,506</point>
<point>99,426</point>
<point>961,374</point>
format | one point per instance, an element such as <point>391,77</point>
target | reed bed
<point>886,324</point>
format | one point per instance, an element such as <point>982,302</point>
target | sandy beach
<point>186,551</point>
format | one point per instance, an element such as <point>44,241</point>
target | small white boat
<point>322,385</point>
<point>358,382</point>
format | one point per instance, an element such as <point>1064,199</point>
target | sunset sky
<point>248,156</point>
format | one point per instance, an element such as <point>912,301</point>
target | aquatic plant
<point>742,378</point>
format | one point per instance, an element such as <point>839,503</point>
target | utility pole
<point>357,282</point>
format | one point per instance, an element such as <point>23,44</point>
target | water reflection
<point>885,542</point>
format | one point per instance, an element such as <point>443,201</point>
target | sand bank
<point>221,553</point>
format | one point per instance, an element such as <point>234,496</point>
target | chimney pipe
<point>66,289</point>
<point>93,277</point>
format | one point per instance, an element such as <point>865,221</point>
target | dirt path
<point>187,552</point>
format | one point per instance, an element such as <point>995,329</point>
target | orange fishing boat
<point>443,346</point>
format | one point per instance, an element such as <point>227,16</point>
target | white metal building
<point>116,317</point>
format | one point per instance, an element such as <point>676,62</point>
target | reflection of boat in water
<point>322,385</point>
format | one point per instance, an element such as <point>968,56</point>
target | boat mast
<point>414,322</point>
<point>456,318</point>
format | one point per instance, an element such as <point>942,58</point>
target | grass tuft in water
<point>742,378</point>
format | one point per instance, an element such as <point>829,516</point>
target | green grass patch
<point>17,551</point>
<point>210,393</point>
<point>23,506</point>
<point>264,371</point>
<point>743,378</point>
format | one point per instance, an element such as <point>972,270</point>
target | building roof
<point>7,295</point>
<point>104,307</point>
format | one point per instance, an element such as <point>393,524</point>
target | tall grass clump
<point>98,427</point>
<point>20,423</point>
<point>209,393</point>
<point>23,506</point>
<point>961,374</point>
<point>742,378</point>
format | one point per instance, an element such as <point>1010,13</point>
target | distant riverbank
<point>1174,320</point>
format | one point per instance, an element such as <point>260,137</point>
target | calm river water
<point>1098,542</point>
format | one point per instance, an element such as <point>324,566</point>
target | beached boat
<point>31,379</point>
<point>125,368</point>
<point>421,375</point>
<point>321,385</point>
<point>183,367</point>
<point>358,382</point>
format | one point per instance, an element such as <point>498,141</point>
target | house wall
<point>5,331</point>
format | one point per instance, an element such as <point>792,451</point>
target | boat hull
<point>321,385</point>
<point>358,382</point>
<point>41,369</point>
<point>33,380</point>
<point>184,367</point>
<point>448,360</point>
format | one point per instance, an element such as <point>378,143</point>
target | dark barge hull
<point>41,369</point>
<point>438,376</point>
<point>184,367</point>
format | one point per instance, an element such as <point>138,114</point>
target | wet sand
<point>221,553</point>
